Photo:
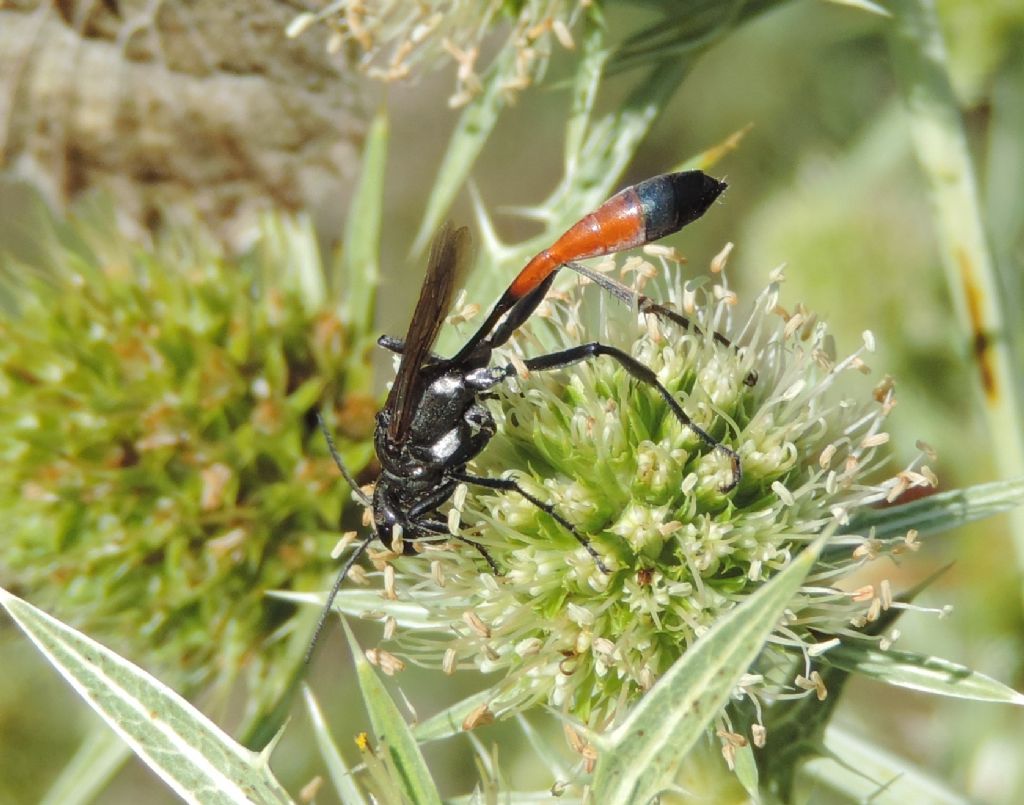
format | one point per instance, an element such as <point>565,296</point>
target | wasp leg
<point>429,502</point>
<point>509,485</point>
<point>441,529</point>
<point>397,345</point>
<point>578,354</point>
<point>647,305</point>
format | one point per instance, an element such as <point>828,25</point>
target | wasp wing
<point>448,251</point>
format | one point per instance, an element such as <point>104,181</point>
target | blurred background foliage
<point>824,179</point>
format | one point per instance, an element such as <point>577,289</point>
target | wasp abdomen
<point>637,215</point>
<point>673,200</point>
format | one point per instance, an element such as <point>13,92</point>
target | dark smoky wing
<point>449,249</point>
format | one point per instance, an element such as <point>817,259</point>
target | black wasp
<point>435,421</point>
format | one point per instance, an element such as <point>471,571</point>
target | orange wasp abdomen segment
<point>616,225</point>
<point>635,216</point>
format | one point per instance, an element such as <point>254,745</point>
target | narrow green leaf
<point>711,156</point>
<point>745,765</point>
<point>797,726</point>
<point>863,5</point>
<point>269,705</point>
<point>449,721</point>
<point>920,66</point>
<point>920,672</point>
<point>360,262</point>
<point>544,797</point>
<point>862,772</point>
<point>641,757</point>
<point>288,247</point>
<point>471,132</point>
<point>1004,203</point>
<point>366,604</point>
<point>200,762</point>
<point>615,139</point>
<point>344,784</point>
<point>584,92</point>
<point>542,749</point>
<point>683,36</point>
<point>98,759</point>
<point>944,510</point>
<point>392,731</point>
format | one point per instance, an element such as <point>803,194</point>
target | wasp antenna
<point>322,620</point>
<point>363,497</point>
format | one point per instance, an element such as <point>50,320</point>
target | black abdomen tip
<point>672,200</point>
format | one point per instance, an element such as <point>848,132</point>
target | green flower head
<point>154,422</point>
<point>650,495</point>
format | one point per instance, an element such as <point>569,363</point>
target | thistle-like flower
<point>396,40</point>
<point>648,492</point>
<point>154,417</point>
